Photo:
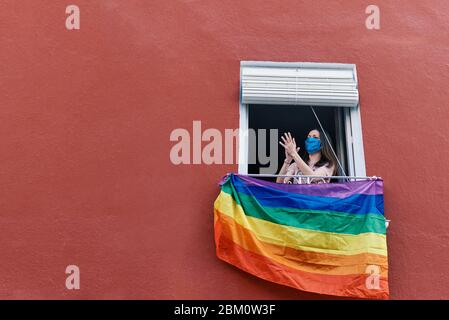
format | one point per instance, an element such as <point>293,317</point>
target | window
<point>278,95</point>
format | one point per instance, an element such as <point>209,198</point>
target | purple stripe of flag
<point>336,190</point>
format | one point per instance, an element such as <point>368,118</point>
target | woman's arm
<point>286,167</point>
<point>303,167</point>
<point>283,171</point>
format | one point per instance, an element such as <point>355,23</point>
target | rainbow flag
<point>323,238</point>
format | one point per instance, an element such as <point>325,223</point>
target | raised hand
<point>289,144</point>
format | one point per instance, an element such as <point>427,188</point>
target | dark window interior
<point>298,120</point>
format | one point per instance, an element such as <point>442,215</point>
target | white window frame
<point>352,120</point>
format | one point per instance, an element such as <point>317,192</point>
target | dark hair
<point>327,156</point>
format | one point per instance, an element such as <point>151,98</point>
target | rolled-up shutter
<point>316,84</point>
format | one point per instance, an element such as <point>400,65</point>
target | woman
<point>318,160</point>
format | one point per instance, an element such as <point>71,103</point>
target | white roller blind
<point>316,84</point>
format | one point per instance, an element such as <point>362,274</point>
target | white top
<point>317,171</point>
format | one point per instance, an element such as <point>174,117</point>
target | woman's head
<point>316,142</point>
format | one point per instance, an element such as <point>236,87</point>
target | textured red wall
<point>85,175</point>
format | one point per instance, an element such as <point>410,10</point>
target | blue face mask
<point>313,145</point>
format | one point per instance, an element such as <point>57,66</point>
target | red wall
<point>85,174</point>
